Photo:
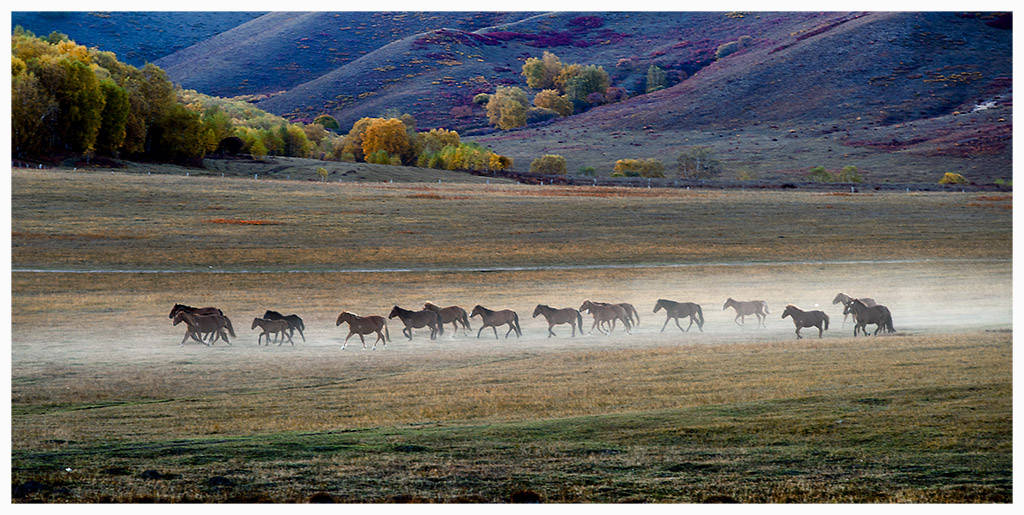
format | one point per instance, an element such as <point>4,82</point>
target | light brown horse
<point>846,300</point>
<point>294,322</point>
<point>559,316</point>
<point>275,327</point>
<point>604,312</point>
<point>205,324</point>
<point>418,319</point>
<point>750,307</point>
<point>803,319</point>
<point>676,310</point>
<point>451,314</point>
<point>364,325</point>
<point>493,319</point>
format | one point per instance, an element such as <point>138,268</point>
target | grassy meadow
<point>108,407</point>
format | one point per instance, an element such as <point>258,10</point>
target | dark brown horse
<point>676,310</point>
<point>205,324</point>
<point>745,308</point>
<point>294,322</point>
<point>559,316</point>
<point>451,314</point>
<point>878,315</point>
<point>199,337</point>
<point>603,312</point>
<point>418,319</point>
<point>364,325</point>
<point>194,311</point>
<point>846,299</point>
<point>493,319</point>
<point>803,319</point>
<point>275,327</point>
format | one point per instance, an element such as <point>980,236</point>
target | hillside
<point>903,96</point>
<point>137,37</point>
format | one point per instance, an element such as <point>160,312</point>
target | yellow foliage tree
<point>550,99</point>
<point>388,135</point>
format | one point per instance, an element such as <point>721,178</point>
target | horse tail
<point>515,318</point>
<point>227,323</point>
<point>765,304</point>
<point>826,321</point>
<point>700,314</point>
<point>387,335</point>
<point>440,323</point>
<point>579,320</point>
<point>465,320</point>
<point>637,315</point>
<point>888,323</point>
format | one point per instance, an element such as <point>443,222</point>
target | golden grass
<point>156,221</point>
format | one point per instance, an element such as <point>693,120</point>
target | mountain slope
<point>281,50</point>
<point>136,37</point>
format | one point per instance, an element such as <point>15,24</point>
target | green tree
<point>328,122</point>
<point>656,79</point>
<point>698,163</point>
<point>30,109</point>
<point>113,118</point>
<point>585,80</point>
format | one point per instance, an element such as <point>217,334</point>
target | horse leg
<point>552,333</point>
<point>798,337</point>
<point>820,332</point>
<point>742,319</point>
<point>479,331</point>
<point>495,329</point>
<point>687,327</point>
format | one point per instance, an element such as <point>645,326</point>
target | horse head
<point>728,302</point>
<point>255,323</point>
<point>789,311</point>
<point>395,311</point>
<point>537,311</point>
<point>659,305</point>
<point>477,310</point>
<point>342,317</point>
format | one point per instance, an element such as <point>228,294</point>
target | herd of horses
<point>209,324</point>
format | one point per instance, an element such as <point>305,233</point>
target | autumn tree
<point>541,73</point>
<point>550,99</point>
<point>507,108</point>
<point>388,135</point>
<point>549,164</point>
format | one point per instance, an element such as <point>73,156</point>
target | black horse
<point>294,322</point>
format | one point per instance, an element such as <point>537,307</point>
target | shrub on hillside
<point>733,46</point>
<point>329,122</point>
<point>650,168</point>
<point>698,163</point>
<point>549,164</point>
<point>953,178</point>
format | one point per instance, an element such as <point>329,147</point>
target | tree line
<point>69,100</point>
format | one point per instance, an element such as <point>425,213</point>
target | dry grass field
<point>106,406</point>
